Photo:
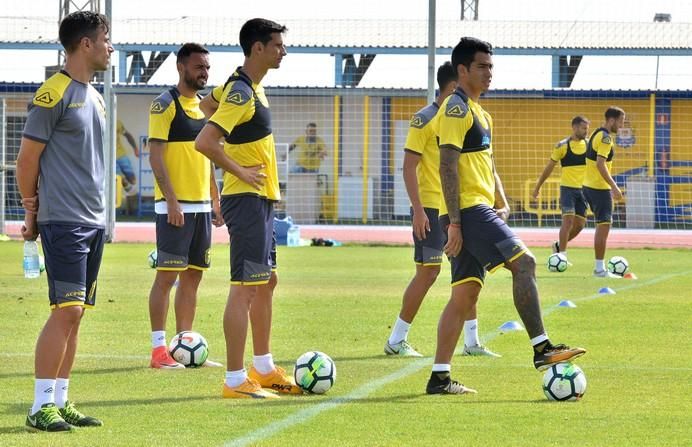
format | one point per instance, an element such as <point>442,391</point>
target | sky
<point>390,70</point>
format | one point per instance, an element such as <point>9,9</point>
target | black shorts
<point>429,250</point>
<point>601,203</point>
<point>180,248</point>
<point>465,268</point>
<point>73,257</point>
<point>572,201</point>
<point>488,238</point>
<point>250,223</point>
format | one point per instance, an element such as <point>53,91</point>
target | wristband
<point>455,225</point>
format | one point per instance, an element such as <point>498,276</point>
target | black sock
<point>540,347</point>
<point>439,376</point>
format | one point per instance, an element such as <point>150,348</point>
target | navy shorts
<point>250,223</point>
<point>601,203</point>
<point>73,257</point>
<point>429,250</point>
<point>572,201</point>
<point>180,248</point>
<point>488,238</point>
<point>465,268</point>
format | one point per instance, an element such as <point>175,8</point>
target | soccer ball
<point>189,348</point>
<point>152,259</point>
<point>557,262</point>
<point>617,265</point>
<point>314,372</point>
<point>564,381</point>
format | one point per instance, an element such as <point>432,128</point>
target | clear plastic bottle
<point>293,236</point>
<point>31,261</point>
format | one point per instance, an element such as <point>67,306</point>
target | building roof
<point>383,36</point>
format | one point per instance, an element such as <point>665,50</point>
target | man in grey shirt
<point>61,155</point>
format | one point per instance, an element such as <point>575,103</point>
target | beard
<point>195,83</point>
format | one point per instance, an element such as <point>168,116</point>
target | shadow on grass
<point>15,429</point>
<point>78,371</point>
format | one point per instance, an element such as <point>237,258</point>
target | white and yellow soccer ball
<point>152,259</point>
<point>617,265</point>
<point>564,381</point>
<point>314,372</point>
<point>189,349</point>
<point>557,262</point>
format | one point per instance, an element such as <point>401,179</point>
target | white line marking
<point>303,416</point>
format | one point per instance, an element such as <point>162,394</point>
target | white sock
<point>540,339</point>
<point>441,367</point>
<point>44,393</point>
<point>61,387</point>
<point>399,331</point>
<point>235,378</point>
<point>471,333</point>
<point>264,364</point>
<point>600,265</point>
<point>158,338</point>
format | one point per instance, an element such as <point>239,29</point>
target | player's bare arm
<point>27,181</point>
<point>603,170</point>
<point>449,178</point>
<point>421,224</point>
<point>207,143</point>
<point>544,176</point>
<point>175,211</point>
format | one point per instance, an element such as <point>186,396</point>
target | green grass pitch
<point>342,301</point>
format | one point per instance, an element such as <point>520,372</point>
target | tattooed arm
<point>449,178</point>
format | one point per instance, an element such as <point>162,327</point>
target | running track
<point>400,235</point>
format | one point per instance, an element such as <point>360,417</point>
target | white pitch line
<point>303,416</point>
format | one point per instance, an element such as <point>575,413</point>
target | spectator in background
<point>311,151</point>
<point>123,166</point>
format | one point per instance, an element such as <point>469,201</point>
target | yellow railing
<point>548,202</point>
<point>118,191</point>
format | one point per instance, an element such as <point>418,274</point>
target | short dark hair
<point>312,125</point>
<point>187,50</point>
<point>580,120</point>
<point>78,25</point>
<point>446,73</point>
<point>613,112</point>
<point>258,30</point>
<point>466,49</point>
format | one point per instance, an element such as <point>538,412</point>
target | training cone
<point>567,303</point>
<point>510,326</point>
<point>630,275</point>
<point>606,291</point>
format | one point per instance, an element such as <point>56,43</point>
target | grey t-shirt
<point>69,117</point>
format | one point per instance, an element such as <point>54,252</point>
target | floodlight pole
<point>431,51</point>
<point>109,138</point>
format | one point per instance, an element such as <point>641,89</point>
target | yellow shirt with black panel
<point>421,140</point>
<point>309,151</point>
<point>243,118</point>
<point>571,155</point>
<point>463,125</point>
<point>600,144</point>
<point>176,120</point>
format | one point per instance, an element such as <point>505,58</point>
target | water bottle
<point>293,236</point>
<point>31,262</point>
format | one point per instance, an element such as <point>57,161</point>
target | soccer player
<point>63,139</point>
<point>599,187</point>
<point>311,151</point>
<point>250,188</point>
<point>186,195</point>
<point>123,165</point>
<point>477,237</point>
<point>422,180</point>
<point>571,153</point>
